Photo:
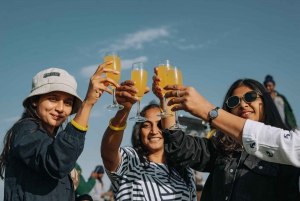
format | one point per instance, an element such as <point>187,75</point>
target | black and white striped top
<point>132,181</point>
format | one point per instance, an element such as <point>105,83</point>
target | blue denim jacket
<point>38,167</point>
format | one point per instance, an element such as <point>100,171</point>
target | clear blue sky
<point>214,43</point>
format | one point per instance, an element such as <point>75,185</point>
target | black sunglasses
<point>248,97</point>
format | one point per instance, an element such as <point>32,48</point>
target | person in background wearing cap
<point>38,153</point>
<point>84,187</point>
<point>98,188</point>
<point>281,103</point>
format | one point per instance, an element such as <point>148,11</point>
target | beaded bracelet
<point>116,128</point>
<point>76,125</point>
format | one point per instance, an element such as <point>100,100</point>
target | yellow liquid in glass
<point>161,73</point>
<point>140,77</point>
<point>173,76</point>
<point>115,66</point>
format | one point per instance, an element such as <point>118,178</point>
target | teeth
<point>154,139</point>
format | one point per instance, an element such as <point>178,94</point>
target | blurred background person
<point>283,106</point>
<point>84,197</point>
<point>84,187</point>
<point>98,188</point>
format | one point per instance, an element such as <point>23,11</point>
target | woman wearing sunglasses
<point>234,174</point>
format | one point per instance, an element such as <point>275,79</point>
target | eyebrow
<point>53,94</point>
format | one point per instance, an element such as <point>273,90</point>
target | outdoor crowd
<point>254,155</point>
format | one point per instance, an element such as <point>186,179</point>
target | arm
<point>281,145</point>
<point>187,151</point>
<point>191,101</point>
<point>55,158</point>
<point>85,187</point>
<point>112,139</point>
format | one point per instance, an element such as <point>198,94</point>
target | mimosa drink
<point>140,77</point>
<point>115,66</point>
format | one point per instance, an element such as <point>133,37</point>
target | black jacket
<point>236,178</point>
<point>38,166</point>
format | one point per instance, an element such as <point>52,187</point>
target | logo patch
<point>287,135</point>
<point>252,145</point>
<point>51,74</point>
<point>269,154</point>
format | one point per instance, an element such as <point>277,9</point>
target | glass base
<point>114,107</point>
<point>138,119</point>
<point>178,127</point>
<point>164,115</point>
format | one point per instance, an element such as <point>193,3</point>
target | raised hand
<point>98,83</point>
<point>187,99</point>
<point>125,94</point>
<point>155,86</point>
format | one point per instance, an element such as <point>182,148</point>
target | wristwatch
<point>213,114</point>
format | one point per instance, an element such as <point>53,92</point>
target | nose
<point>59,106</point>
<point>155,129</point>
<point>243,103</point>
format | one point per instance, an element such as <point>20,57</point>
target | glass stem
<point>176,118</point>
<point>114,97</point>
<point>165,105</point>
<point>138,109</point>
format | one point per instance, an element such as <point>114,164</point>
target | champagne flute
<point>174,76</point>
<point>139,74</point>
<point>116,65</point>
<point>162,66</point>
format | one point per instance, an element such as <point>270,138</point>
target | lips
<point>245,114</point>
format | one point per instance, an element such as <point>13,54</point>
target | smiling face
<point>151,136</point>
<point>253,110</point>
<point>54,108</point>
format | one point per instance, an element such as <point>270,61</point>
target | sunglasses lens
<point>250,96</point>
<point>233,101</point>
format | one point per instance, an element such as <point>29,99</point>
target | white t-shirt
<point>132,181</point>
<point>96,191</point>
<point>272,144</point>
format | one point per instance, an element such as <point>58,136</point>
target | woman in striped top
<point>142,172</point>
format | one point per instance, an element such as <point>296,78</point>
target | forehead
<point>241,90</point>
<point>60,94</point>
<point>151,114</point>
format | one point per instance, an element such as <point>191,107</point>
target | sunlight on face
<point>54,108</point>
<point>253,110</point>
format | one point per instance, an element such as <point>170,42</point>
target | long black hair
<point>29,113</point>
<point>143,152</point>
<point>226,144</point>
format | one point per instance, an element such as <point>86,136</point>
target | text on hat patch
<point>51,74</point>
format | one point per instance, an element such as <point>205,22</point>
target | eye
<point>52,98</point>
<point>146,125</point>
<point>69,103</point>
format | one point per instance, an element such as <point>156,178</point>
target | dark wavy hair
<point>143,152</point>
<point>29,113</point>
<point>225,144</point>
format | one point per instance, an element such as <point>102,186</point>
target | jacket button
<point>231,170</point>
<point>260,167</point>
<point>226,198</point>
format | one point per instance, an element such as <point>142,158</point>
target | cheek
<point>234,111</point>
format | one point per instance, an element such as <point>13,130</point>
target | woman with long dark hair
<point>234,174</point>
<point>38,153</point>
<point>142,172</point>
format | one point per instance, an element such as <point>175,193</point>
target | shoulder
<point>26,126</point>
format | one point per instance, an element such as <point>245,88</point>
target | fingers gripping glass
<point>248,97</point>
<point>116,65</point>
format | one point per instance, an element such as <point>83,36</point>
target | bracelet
<point>76,125</point>
<point>116,128</point>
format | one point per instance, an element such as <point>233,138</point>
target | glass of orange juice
<point>174,76</point>
<point>139,74</point>
<point>161,73</point>
<point>116,65</point>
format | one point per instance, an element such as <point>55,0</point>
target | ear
<point>33,101</point>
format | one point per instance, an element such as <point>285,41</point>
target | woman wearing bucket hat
<point>38,154</point>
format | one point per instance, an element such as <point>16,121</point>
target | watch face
<point>213,114</point>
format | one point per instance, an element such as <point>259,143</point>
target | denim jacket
<point>236,178</point>
<point>38,167</point>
